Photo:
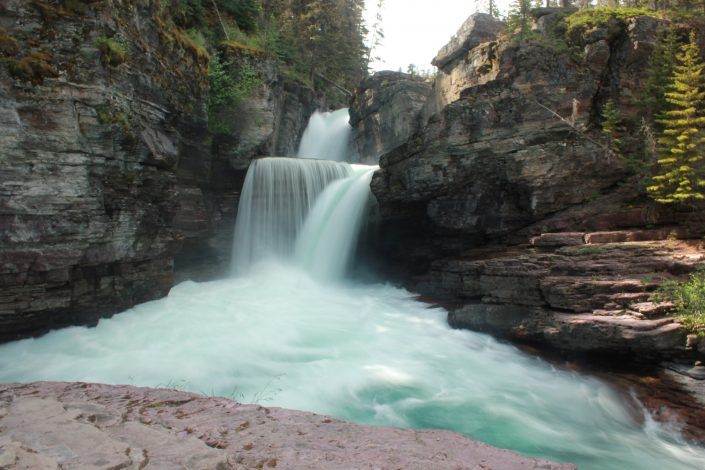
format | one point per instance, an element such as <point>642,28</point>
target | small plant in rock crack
<point>689,300</point>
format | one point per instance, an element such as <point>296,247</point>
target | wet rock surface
<point>585,297</point>
<point>74,425</point>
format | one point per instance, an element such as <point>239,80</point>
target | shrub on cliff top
<point>588,18</point>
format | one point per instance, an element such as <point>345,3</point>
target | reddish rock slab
<point>634,235</point>
<point>49,425</point>
<point>558,239</point>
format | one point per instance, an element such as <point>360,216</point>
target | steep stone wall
<point>108,179</point>
<point>91,150</point>
<point>385,113</point>
<point>510,148</point>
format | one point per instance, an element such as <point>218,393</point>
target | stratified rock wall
<point>108,180</point>
<point>385,113</point>
<point>90,155</point>
<point>510,151</point>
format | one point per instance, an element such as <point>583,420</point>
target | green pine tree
<point>519,18</point>
<point>680,166</point>
<point>661,65</point>
<point>611,124</point>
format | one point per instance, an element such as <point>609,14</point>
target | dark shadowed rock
<point>72,425</point>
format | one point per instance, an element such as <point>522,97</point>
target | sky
<point>415,30</point>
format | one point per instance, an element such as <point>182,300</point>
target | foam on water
<point>366,353</point>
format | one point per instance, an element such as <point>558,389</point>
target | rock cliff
<point>384,113</point>
<point>509,204</point>
<point>109,180</point>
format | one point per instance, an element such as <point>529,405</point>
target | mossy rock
<point>236,48</point>
<point>52,11</point>
<point>8,45</point>
<point>112,51</point>
<point>112,116</point>
<point>32,68</point>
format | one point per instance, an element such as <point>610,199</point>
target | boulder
<point>478,28</point>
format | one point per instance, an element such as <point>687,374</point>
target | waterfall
<point>326,136</point>
<point>275,199</point>
<point>329,236</point>
<point>273,215</point>
<point>367,353</point>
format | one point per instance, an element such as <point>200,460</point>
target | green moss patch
<point>113,51</point>
<point>32,68</point>
<point>112,116</point>
<point>589,18</point>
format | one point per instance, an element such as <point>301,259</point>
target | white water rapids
<point>293,333</point>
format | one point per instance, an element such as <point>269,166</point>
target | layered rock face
<point>107,177</point>
<point>91,153</point>
<point>62,425</point>
<point>385,113</point>
<point>511,149</point>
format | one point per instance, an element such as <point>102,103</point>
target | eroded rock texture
<point>385,113</point>
<point>71,426</point>
<point>108,180</point>
<point>509,202</point>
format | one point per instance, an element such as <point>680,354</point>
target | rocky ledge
<point>508,205</point>
<point>569,294</point>
<point>79,425</point>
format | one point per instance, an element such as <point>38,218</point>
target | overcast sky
<point>415,30</point>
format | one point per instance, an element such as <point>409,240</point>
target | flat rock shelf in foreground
<point>79,425</point>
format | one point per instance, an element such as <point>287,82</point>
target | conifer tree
<point>519,18</point>
<point>377,34</point>
<point>611,124</point>
<point>488,6</point>
<point>680,167</point>
<point>661,65</point>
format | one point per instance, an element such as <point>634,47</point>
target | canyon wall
<point>110,186</point>
<point>509,205</point>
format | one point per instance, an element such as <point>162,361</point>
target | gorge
<point>367,353</point>
<point>518,222</point>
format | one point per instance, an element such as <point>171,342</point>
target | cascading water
<point>327,136</point>
<point>276,197</point>
<point>329,236</point>
<point>366,353</point>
